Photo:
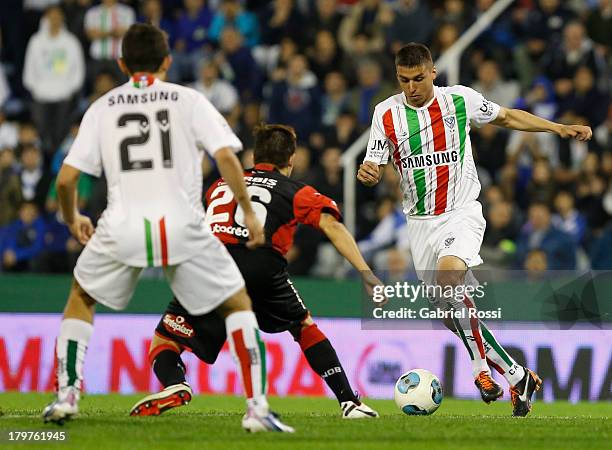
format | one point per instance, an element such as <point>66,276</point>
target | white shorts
<point>200,284</point>
<point>456,233</point>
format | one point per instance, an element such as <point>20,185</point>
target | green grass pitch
<point>213,422</point>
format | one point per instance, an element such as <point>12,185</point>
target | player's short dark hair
<point>144,48</point>
<point>274,144</point>
<point>413,55</point>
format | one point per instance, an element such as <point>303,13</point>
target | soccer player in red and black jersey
<point>280,204</point>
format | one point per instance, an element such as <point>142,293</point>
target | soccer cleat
<point>489,389</point>
<point>253,422</point>
<point>521,393</point>
<point>357,410</point>
<point>155,404</point>
<point>64,407</point>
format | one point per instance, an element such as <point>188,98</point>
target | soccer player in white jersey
<point>149,138</point>
<point>424,131</point>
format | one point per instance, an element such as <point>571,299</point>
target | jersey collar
<point>425,106</point>
<point>265,167</point>
<point>142,80</point>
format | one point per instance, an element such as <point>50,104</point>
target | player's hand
<point>256,231</point>
<point>369,173</point>
<point>370,281</point>
<point>81,228</point>
<point>578,132</point>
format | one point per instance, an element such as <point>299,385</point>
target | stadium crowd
<point>321,66</point>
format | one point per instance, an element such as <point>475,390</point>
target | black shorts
<point>276,304</point>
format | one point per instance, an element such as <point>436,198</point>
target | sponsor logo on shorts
<point>448,241</point>
<point>236,231</point>
<point>177,325</point>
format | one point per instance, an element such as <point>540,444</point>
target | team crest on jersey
<point>177,325</point>
<point>448,241</point>
<point>450,122</point>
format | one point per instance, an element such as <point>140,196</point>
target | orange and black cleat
<point>155,404</point>
<point>489,389</point>
<point>521,393</point>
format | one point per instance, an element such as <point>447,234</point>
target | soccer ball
<point>418,392</point>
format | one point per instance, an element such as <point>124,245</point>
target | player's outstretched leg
<point>450,275</point>
<point>323,359</point>
<point>70,348</point>
<point>169,368</point>
<point>249,352</point>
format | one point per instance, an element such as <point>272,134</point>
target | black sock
<point>323,359</point>
<point>169,368</point>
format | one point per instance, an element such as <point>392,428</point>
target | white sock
<point>500,360</point>
<point>70,349</point>
<point>249,353</point>
<point>468,329</point>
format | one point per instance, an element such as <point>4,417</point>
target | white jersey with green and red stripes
<point>149,138</point>
<point>430,147</point>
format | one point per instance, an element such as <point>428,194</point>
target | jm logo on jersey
<point>378,148</point>
<point>430,160</point>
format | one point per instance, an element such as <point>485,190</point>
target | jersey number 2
<point>163,123</point>
<point>222,195</point>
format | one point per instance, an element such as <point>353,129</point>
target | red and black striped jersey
<point>280,204</point>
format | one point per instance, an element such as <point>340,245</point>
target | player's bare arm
<point>369,173</point>
<point>80,226</point>
<point>517,119</point>
<point>344,242</point>
<point>232,173</point>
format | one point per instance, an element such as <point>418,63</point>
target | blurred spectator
<point>602,135</point>
<point>366,18</point>
<point>33,11</point>
<point>344,132</point>
<point>499,242</point>
<point>372,89</point>
<point>279,19</point>
<point>599,25</point>
<point>324,16</point>
<point>599,251</point>
<point>539,99</point>
<point>74,12</point>
<point>325,56</point>
<point>548,20</point>
<point>489,144</point>
<point>540,233</point>
<point>231,14</point>
<point>103,82</point>
<point>9,132</point>
<point>24,240</point>
<point>296,101</point>
<point>491,85</point>
<point>541,187</point>
<point>527,57</point>
<point>590,201</point>
<point>193,33</point>
<point>585,101</point>
<point>221,94</point>
<point>536,264</point>
<point>28,135</point>
<point>237,66</point>
<point>54,72</point>
<point>5,91</point>
<point>152,12</point>
<point>567,218</point>
<point>35,180</point>
<point>327,178</point>
<point>390,228</point>
<point>10,188</point>
<point>335,98</point>
<point>459,14</point>
<point>411,21</point>
<point>561,62</point>
<point>105,24</point>
<point>301,165</point>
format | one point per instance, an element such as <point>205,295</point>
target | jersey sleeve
<point>210,128</point>
<point>85,153</point>
<point>308,205</point>
<point>480,111</point>
<point>378,144</point>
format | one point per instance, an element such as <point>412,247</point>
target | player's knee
<point>237,302</point>
<point>308,336</point>
<point>450,271</point>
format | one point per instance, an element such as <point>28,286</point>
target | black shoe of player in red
<point>521,393</point>
<point>489,389</point>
